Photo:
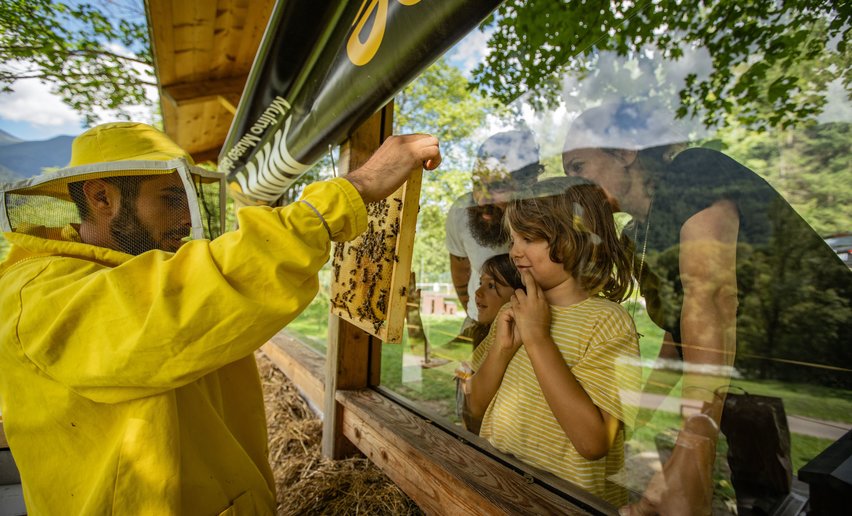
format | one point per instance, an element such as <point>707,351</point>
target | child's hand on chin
<point>531,312</point>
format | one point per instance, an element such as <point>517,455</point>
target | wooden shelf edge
<point>302,365</point>
<point>442,474</point>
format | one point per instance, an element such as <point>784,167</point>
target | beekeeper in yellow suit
<point>128,381</point>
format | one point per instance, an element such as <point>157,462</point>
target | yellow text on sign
<point>362,52</point>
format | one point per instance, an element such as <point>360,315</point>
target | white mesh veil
<point>161,205</point>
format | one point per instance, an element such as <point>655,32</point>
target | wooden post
<point>353,359</point>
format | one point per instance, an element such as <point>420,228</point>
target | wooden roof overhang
<point>203,51</point>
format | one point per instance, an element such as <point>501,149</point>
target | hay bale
<point>306,482</point>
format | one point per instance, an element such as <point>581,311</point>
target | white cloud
<point>32,102</point>
<point>549,127</point>
<point>614,77</point>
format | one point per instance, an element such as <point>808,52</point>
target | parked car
<point>842,245</point>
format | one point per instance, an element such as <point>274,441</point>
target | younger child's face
<point>534,256</point>
<point>490,296</point>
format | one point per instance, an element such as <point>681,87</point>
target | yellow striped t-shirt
<point>597,339</point>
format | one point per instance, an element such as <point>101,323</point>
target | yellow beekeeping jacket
<point>128,384</point>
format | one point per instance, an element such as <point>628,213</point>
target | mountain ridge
<point>6,138</point>
<point>25,159</point>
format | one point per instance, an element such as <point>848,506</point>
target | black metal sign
<point>321,70</point>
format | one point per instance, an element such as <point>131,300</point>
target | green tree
<point>431,258</point>
<point>796,310</point>
<point>811,167</point>
<point>440,103</point>
<point>91,55</point>
<point>756,49</point>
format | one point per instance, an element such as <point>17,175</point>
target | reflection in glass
<point>744,318</point>
<point>505,163</point>
<point>743,310</point>
<point>717,273</point>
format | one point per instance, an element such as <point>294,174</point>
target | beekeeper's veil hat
<point>125,154</point>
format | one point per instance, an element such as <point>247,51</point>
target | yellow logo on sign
<point>362,52</point>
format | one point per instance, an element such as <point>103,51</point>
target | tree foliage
<point>811,167</point>
<point>757,50</point>
<point>796,308</point>
<point>88,55</point>
<point>438,102</point>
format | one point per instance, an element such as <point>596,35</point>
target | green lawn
<point>433,388</point>
<point>800,399</point>
<point>660,423</point>
<point>806,400</point>
<point>311,327</point>
<point>433,385</point>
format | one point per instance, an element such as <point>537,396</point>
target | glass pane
<point>723,151</point>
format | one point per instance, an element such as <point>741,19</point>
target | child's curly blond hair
<point>575,219</point>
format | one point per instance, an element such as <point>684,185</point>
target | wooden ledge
<point>304,366</point>
<point>442,474</point>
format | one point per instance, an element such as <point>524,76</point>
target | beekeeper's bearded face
<point>141,213</point>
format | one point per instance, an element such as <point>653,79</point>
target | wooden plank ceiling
<point>203,51</point>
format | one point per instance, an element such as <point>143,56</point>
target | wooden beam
<point>353,359</point>
<point>229,102</point>
<point>302,365</point>
<point>347,367</point>
<point>442,474</point>
<point>159,15</point>
<point>204,91</point>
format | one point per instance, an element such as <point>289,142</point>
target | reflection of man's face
<point>486,225</point>
<point>157,219</point>
<point>602,168</point>
<point>492,188</point>
<point>492,182</point>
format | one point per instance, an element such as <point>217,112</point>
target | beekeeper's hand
<point>392,163</point>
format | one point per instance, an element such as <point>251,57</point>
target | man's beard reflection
<point>488,232</point>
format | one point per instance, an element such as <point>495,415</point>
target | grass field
<point>432,386</point>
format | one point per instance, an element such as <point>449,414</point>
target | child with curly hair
<point>550,378</point>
